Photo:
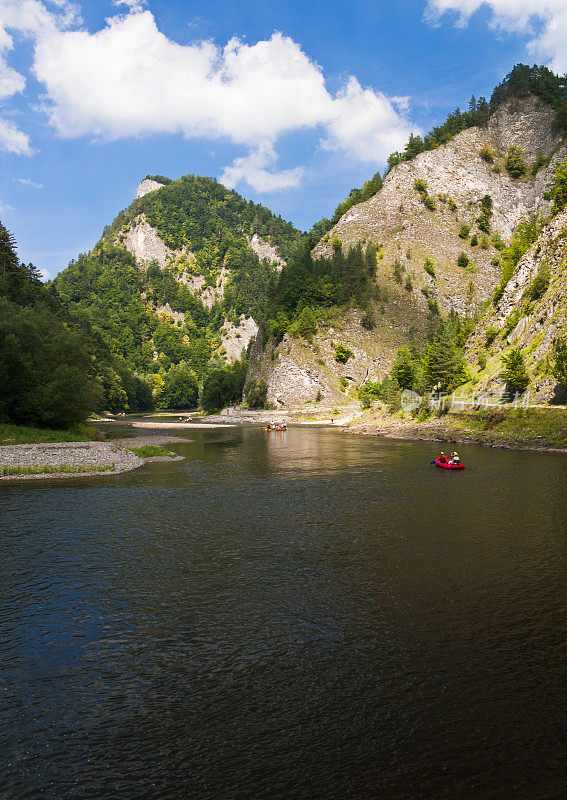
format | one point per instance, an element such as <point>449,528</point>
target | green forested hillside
<point>117,300</point>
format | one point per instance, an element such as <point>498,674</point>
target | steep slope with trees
<point>174,279</point>
<point>441,227</point>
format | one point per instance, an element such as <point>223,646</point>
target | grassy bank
<point>55,469</point>
<point>502,427</point>
<point>23,434</point>
<point>152,451</point>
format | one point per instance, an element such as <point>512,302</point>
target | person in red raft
<point>449,463</point>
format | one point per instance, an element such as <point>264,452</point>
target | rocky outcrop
<point>532,325</point>
<point>236,338</point>
<point>299,370</point>
<point>148,185</point>
<point>167,311</point>
<point>145,244</point>
<point>409,224</point>
<point>265,250</point>
<point>456,179</point>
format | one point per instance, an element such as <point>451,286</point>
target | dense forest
<point>45,363</point>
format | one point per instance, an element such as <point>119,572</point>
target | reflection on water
<point>304,614</point>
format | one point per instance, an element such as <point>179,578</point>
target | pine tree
<point>514,373</point>
<point>443,364</point>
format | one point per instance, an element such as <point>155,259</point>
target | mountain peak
<point>148,185</point>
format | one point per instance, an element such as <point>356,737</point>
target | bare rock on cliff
<point>533,325</point>
<point>236,338</point>
<point>148,185</point>
<point>456,179</point>
<point>266,250</point>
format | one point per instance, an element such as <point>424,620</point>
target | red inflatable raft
<point>447,464</point>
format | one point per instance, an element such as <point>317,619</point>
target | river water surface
<point>304,615</point>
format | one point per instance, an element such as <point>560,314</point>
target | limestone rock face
<point>533,326</point>
<point>296,371</point>
<point>457,179</point>
<point>405,231</point>
<point>266,250</point>
<point>236,338</point>
<point>145,244</point>
<point>146,186</point>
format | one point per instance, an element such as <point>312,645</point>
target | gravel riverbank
<point>48,460</point>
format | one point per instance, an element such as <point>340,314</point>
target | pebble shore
<point>89,455</point>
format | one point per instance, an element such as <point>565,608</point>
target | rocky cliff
<point>439,222</point>
<point>412,223</point>
<point>531,315</point>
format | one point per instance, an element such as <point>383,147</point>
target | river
<point>305,615</point>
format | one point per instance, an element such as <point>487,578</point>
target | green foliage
<point>370,188</point>
<point>256,393</point>
<point>486,153</point>
<point>524,80</point>
<point>524,236</point>
<point>463,261</point>
<point>557,188</point>
<point>482,361</point>
<point>342,353</point>
<point>560,362</point>
<point>405,368</point>
<point>421,187</point>
<point>181,389</point>
<point>514,373</point>
<point>515,164</point>
<point>45,368</point>
<point>344,383</point>
<point>497,242</point>
<point>464,231</point>
<point>541,161</point>
<point>429,267</point>
<point>24,434</point>
<point>390,393</point>
<point>318,283</point>
<point>276,328</point>
<point>540,283</point>
<point>474,241</point>
<point>45,364</point>
<point>408,284</point>
<point>443,364</point>
<point>305,325</point>
<point>397,270</point>
<point>159,179</point>
<point>457,121</point>
<point>222,385</point>
<point>367,320</point>
<point>483,221</point>
<point>151,451</point>
<point>369,393</point>
<point>490,336</point>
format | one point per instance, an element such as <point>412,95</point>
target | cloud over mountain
<point>129,79</point>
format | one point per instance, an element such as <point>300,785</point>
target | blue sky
<point>292,105</point>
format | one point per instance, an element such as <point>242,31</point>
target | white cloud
<point>13,140</point>
<point>251,169</point>
<point>4,207</point>
<point>128,79</point>
<point>544,20</point>
<point>43,274</point>
<point>29,182</point>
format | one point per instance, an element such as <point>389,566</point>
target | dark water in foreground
<point>304,615</point>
